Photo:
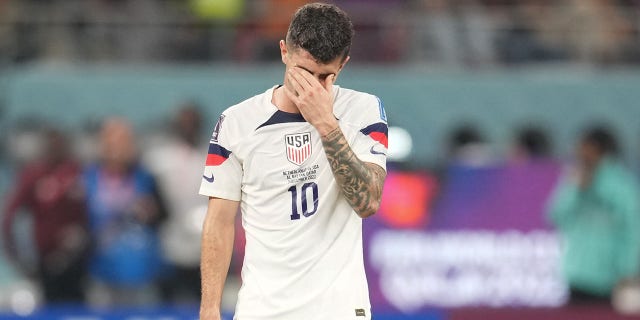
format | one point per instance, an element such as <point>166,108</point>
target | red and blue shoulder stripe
<point>378,132</point>
<point>217,155</point>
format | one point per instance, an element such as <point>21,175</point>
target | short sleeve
<point>222,176</point>
<point>371,142</point>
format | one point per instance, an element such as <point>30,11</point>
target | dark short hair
<point>534,140</point>
<point>603,138</point>
<point>465,134</point>
<point>323,30</point>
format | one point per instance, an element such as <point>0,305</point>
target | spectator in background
<point>176,163</point>
<point>454,33</point>
<point>596,210</point>
<point>125,211</point>
<point>216,10</point>
<point>259,41</point>
<point>50,189</point>
<point>530,143</point>
<point>467,146</point>
<point>604,31</point>
<point>210,32</point>
<point>530,32</point>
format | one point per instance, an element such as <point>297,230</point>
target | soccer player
<point>305,161</point>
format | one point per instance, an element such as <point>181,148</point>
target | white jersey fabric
<point>303,255</point>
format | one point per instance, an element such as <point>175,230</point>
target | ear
<point>341,66</point>
<point>283,51</point>
<point>344,63</point>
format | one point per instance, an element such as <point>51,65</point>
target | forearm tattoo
<point>361,182</point>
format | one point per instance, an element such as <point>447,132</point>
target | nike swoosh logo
<point>210,180</point>
<point>376,152</point>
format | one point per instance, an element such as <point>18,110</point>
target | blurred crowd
<point>438,32</point>
<point>594,207</point>
<point>112,222</point>
<point>115,212</point>
<point>116,217</point>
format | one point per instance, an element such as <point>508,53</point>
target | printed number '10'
<point>303,200</point>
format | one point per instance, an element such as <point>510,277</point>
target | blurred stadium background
<point>473,89</point>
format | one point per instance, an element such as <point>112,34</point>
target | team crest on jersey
<point>298,147</point>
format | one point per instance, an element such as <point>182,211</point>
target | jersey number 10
<point>304,200</point>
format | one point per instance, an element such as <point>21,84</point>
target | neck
<point>282,102</point>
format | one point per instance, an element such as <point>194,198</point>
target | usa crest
<point>298,147</point>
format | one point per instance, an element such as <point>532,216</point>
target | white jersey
<point>303,255</point>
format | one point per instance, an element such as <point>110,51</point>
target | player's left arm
<point>361,182</point>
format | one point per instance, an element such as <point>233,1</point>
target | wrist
<point>209,313</point>
<point>327,128</point>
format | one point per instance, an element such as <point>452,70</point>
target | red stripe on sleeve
<point>215,160</point>
<point>380,137</point>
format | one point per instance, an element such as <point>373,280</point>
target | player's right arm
<point>217,246</point>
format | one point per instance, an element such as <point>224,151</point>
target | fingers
<point>306,76</point>
<point>303,86</point>
<point>298,87</point>
<point>304,79</point>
